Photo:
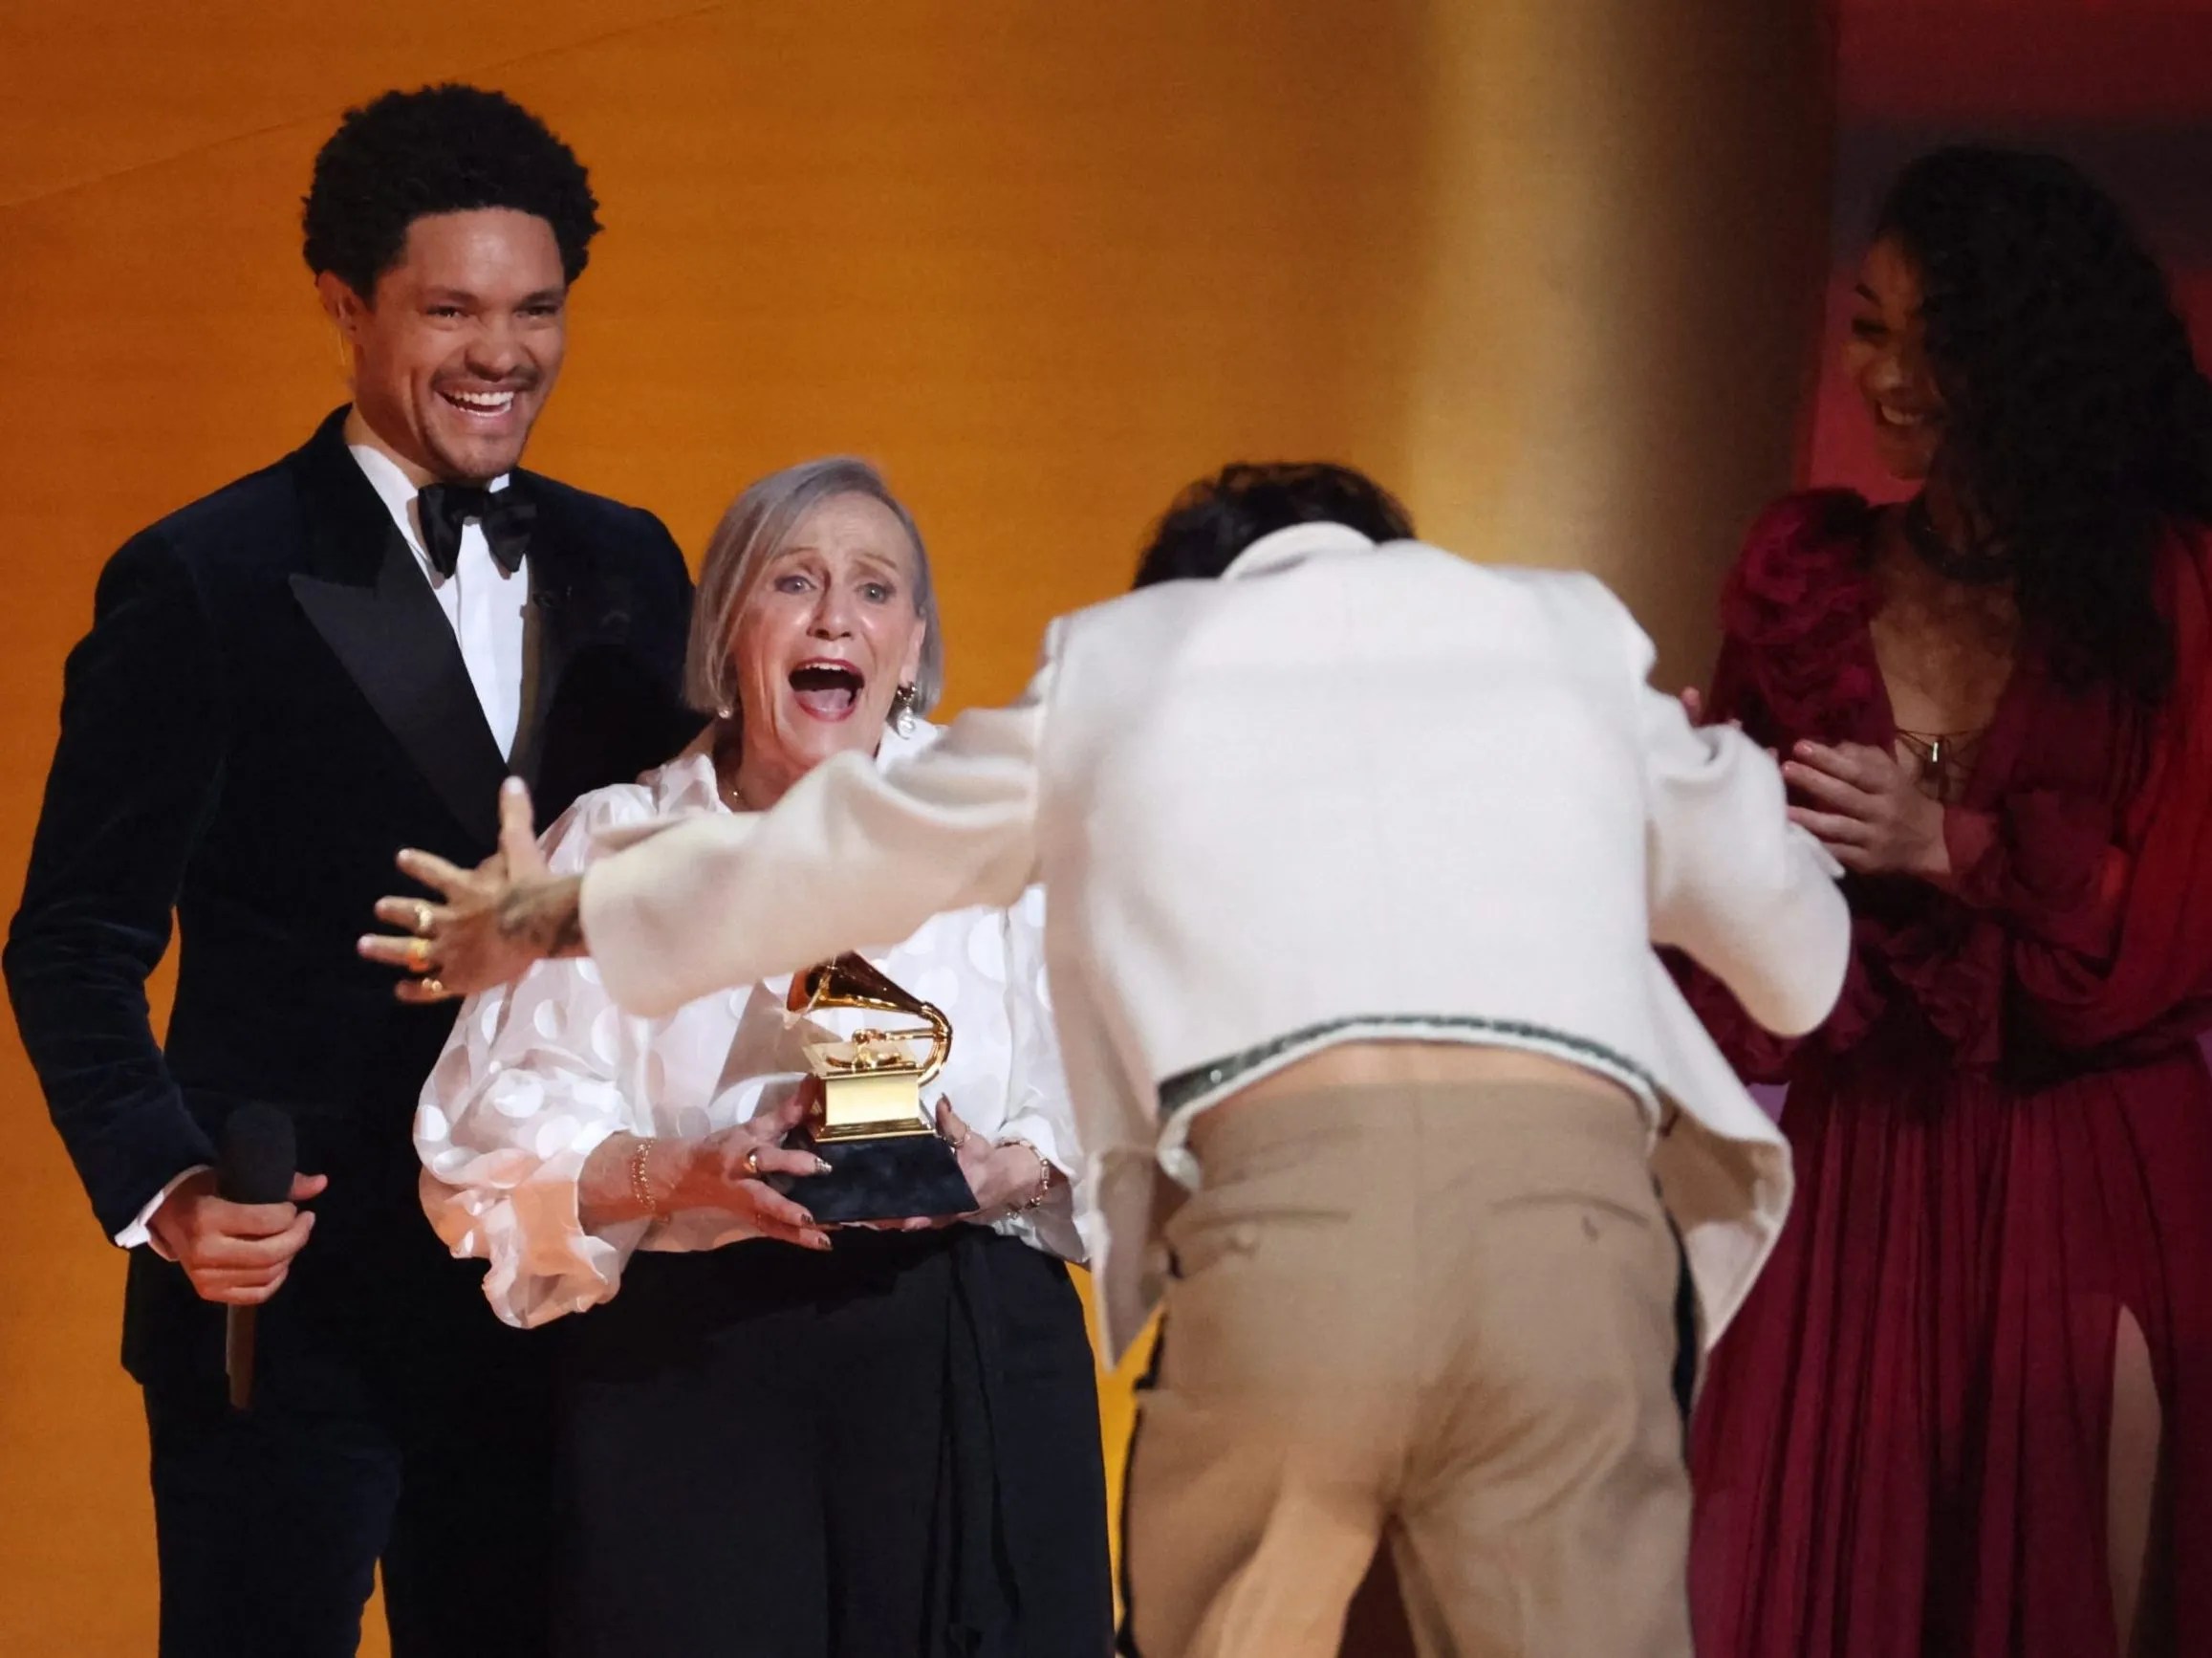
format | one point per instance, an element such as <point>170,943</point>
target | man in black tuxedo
<point>329,657</point>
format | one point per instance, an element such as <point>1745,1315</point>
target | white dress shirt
<point>487,609</point>
<point>537,1073</point>
<point>1346,792</point>
<point>484,605</point>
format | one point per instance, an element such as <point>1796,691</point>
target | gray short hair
<point>759,525</point>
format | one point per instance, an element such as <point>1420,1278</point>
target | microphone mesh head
<point>258,1157</point>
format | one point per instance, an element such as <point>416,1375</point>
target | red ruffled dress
<point>2002,1138</point>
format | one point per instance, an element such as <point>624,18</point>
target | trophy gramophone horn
<point>887,1161</point>
<point>851,981</point>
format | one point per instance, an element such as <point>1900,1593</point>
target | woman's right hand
<point>724,1171</point>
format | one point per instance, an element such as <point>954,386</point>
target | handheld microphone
<point>255,1166</point>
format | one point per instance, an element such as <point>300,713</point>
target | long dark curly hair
<point>2078,421</point>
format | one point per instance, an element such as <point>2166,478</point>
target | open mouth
<point>1903,419</point>
<point>484,406</point>
<point>829,691</point>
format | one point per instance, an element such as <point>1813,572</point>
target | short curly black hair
<point>441,149</point>
<point>1216,519</point>
<point>2078,422</point>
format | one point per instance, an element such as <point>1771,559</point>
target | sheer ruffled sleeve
<point>1038,1108</point>
<point>1795,658</point>
<point>1797,664</point>
<point>530,1084</point>
<point>1794,662</point>
<point>2103,895</point>
<point>2076,918</point>
<point>2048,864</point>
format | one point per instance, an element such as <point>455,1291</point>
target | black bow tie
<point>506,516</point>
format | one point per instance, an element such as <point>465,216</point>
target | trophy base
<point>900,1177</point>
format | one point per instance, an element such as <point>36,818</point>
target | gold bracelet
<point>641,1187</point>
<point>1036,1198</point>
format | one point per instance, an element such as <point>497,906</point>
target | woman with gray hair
<point>782,1438</point>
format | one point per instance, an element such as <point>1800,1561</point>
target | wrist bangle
<point>641,1187</point>
<point>1036,1198</point>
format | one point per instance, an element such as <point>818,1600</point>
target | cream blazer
<point>1344,782</point>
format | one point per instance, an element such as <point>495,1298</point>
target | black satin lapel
<point>346,523</point>
<point>577,605</point>
<point>396,643</point>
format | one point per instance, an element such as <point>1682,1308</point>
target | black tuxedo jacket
<point>268,705</point>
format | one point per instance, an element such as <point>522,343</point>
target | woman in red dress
<point>1969,1408</point>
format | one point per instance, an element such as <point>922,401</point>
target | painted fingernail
<point>822,1165</point>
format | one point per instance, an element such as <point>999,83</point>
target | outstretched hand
<point>495,919</point>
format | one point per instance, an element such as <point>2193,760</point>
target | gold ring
<point>433,984</point>
<point>423,919</point>
<point>752,1161</point>
<point>418,954</point>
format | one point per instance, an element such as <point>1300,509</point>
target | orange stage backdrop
<point>1043,262</point>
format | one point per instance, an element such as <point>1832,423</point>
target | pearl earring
<point>903,710</point>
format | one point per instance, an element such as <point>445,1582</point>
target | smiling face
<point>1887,360</point>
<point>827,637</point>
<point>458,352</point>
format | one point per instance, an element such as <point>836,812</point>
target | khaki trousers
<point>1439,1316</point>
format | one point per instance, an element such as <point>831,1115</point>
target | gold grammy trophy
<point>869,1121</point>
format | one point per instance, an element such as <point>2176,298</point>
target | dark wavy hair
<point>441,149</point>
<point>2078,421</point>
<point>1216,519</point>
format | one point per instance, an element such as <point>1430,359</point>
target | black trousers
<point>426,1448</point>
<point>891,1451</point>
